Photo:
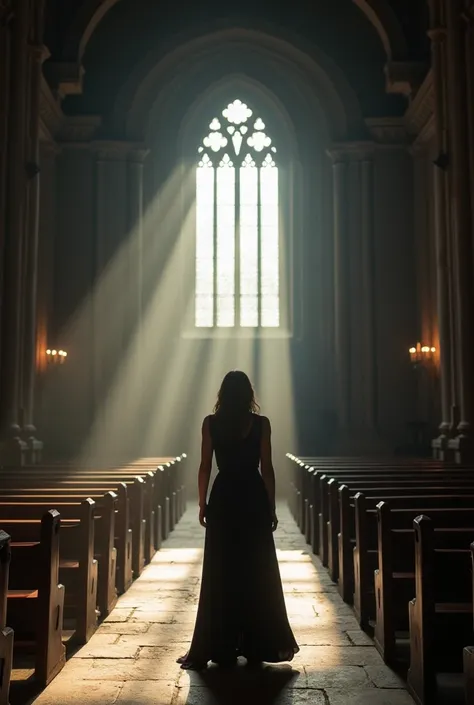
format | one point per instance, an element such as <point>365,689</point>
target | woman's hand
<point>274,520</point>
<point>202,515</point>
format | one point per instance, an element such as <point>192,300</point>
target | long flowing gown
<point>241,608</point>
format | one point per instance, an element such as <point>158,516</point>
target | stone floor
<point>131,660</point>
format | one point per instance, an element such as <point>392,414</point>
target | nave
<point>131,659</point>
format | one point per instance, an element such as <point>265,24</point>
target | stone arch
<point>86,20</point>
<point>387,26</point>
<point>316,80</point>
<point>91,13</point>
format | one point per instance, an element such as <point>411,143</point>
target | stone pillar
<point>437,34</point>
<point>341,290</point>
<point>135,228</point>
<point>13,447</point>
<point>368,362</point>
<point>461,219</point>
<point>5,47</point>
<point>38,54</point>
<point>110,302</point>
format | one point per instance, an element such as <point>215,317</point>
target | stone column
<point>341,276</point>
<point>367,281</point>
<point>135,227</point>
<point>135,252</point>
<point>437,34</point>
<point>13,448</point>
<point>38,54</point>
<point>5,47</point>
<point>461,224</point>
<point>110,297</point>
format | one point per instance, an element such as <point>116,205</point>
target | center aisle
<point>131,660</point>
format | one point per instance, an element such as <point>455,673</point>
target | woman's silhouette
<point>241,605</point>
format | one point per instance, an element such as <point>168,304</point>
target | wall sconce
<point>421,354</point>
<point>56,357</point>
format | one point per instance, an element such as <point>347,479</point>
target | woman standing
<point>241,609</point>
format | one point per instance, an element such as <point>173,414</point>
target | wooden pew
<point>365,551</point>
<point>350,539</point>
<point>105,551</point>
<point>303,468</point>
<point>318,501</point>
<point>394,579</point>
<point>88,481</point>
<point>35,600</point>
<point>6,634</point>
<point>123,533</point>
<point>468,657</point>
<point>78,569</point>
<point>440,614</point>
<point>330,510</point>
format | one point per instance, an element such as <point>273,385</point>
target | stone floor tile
<point>377,696</point>
<point>118,628</point>
<point>383,677</point>
<point>62,692</point>
<point>147,693</point>
<point>119,614</point>
<point>359,638</point>
<point>349,677</point>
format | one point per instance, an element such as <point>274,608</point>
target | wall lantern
<point>56,357</point>
<point>421,354</point>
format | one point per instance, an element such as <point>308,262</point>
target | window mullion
<point>259,256</point>
<point>237,248</point>
<point>214,254</point>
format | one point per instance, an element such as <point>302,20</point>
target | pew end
<point>35,606</point>
<point>6,633</point>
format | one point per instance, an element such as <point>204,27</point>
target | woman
<point>241,606</point>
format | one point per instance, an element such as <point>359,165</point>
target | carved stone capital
<point>111,151</point>
<point>138,155</point>
<point>422,107</point>
<point>345,152</point>
<point>79,129</point>
<point>404,77</point>
<point>388,131</point>
<point>65,78</point>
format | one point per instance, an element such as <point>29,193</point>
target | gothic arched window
<point>237,224</point>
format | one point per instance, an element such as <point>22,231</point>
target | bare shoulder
<point>206,423</point>
<point>266,426</point>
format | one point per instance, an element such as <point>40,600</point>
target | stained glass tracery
<point>237,224</point>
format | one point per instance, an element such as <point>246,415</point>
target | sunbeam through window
<point>237,224</point>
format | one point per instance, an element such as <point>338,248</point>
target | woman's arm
<point>268,473</point>
<point>205,466</point>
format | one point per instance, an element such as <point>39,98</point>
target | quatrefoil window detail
<point>237,112</point>
<point>216,141</point>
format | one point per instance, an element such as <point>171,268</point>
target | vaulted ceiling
<point>111,37</point>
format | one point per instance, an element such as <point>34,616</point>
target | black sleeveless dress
<point>241,609</point>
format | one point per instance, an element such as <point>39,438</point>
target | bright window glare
<point>237,224</point>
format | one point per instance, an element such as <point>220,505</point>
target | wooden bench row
<point>362,518</point>
<point>112,521</point>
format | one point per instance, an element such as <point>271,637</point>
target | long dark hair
<point>235,401</point>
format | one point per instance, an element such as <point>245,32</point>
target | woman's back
<point>237,448</point>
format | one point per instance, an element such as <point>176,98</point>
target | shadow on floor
<point>241,685</point>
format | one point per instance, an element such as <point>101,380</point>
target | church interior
<point>192,188</point>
